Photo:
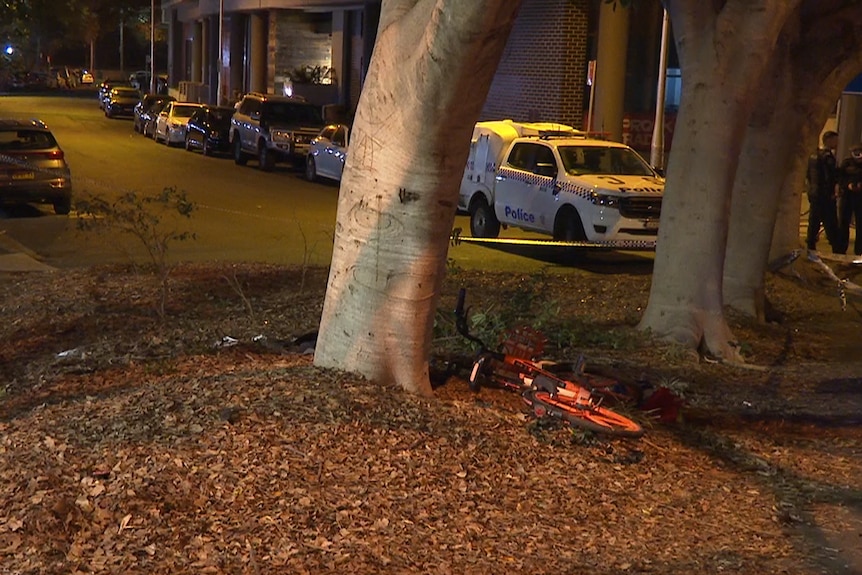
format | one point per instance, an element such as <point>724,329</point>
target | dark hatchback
<point>32,166</point>
<point>208,130</point>
<point>121,101</point>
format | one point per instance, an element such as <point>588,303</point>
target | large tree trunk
<point>429,75</point>
<point>816,57</point>
<point>786,235</point>
<point>768,143</point>
<point>722,52</point>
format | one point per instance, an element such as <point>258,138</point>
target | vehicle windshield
<point>11,140</point>
<point>126,92</point>
<point>604,160</point>
<point>184,111</point>
<point>292,113</point>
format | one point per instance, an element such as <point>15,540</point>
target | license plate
<point>651,224</point>
<point>23,176</point>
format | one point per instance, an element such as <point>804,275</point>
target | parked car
<point>33,166</point>
<point>141,81</point>
<point>209,130</point>
<point>273,128</point>
<point>328,153</point>
<point>121,101</point>
<point>30,82</point>
<point>149,117</point>
<point>144,104</point>
<point>105,90</point>
<point>171,122</point>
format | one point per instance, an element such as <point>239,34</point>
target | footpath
<point>15,257</point>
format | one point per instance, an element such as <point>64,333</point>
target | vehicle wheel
<point>238,155</point>
<point>568,226</point>
<point>483,221</point>
<point>62,207</point>
<point>266,160</point>
<point>310,169</point>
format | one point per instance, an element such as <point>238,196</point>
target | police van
<point>553,179</point>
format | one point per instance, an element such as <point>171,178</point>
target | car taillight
<point>55,154</point>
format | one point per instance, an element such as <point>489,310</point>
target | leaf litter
<point>133,445</point>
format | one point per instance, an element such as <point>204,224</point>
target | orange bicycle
<point>515,368</point>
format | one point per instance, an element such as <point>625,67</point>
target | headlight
<point>280,136</point>
<point>605,200</point>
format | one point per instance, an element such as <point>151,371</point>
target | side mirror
<point>547,170</point>
<point>658,171</point>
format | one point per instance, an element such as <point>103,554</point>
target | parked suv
<point>32,166</point>
<point>273,128</point>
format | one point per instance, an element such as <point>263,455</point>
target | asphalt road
<point>242,214</point>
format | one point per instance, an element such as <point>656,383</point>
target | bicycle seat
<point>545,383</point>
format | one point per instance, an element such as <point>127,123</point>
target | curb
<point>15,257</point>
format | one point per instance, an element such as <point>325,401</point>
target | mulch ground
<point>207,442</point>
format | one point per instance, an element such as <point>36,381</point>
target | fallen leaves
<point>153,452</point>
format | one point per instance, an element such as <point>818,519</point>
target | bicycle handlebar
<point>459,307</point>
<point>461,320</point>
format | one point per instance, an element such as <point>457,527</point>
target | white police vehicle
<point>552,179</point>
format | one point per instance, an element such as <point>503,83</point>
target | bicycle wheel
<point>594,418</point>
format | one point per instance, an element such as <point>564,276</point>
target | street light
<point>152,46</point>
<point>657,147</point>
<point>219,61</point>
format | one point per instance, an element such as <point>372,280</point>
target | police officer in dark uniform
<point>822,178</point>
<point>850,205</point>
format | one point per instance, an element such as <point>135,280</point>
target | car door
<point>196,127</point>
<point>522,178</point>
<point>161,130</point>
<point>249,110</point>
<point>339,151</point>
<point>544,193</point>
<point>322,152</point>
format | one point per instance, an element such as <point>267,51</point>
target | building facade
<point>321,48</point>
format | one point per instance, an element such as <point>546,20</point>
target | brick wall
<point>542,75</point>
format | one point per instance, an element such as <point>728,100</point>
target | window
<point>521,156</point>
<point>527,156</point>
<point>328,133</point>
<point>26,140</point>
<point>340,137</point>
<point>580,160</point>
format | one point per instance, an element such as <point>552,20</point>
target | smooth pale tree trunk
<point>786,235</point>
<point>768,143</point>
<point>429,76</point>
<point>815,58</point>
<point>723,49</point>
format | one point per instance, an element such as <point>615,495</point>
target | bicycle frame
<point>544,391</point>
